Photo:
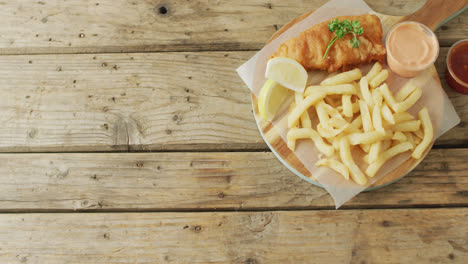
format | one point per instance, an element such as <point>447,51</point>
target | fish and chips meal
<point>354,120</point>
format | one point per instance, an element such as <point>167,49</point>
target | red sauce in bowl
<point>457,67</point>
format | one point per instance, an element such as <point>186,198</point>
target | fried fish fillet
<point>309,47</point>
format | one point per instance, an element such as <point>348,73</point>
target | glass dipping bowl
<point>452,79</point>
<point>407,70</point>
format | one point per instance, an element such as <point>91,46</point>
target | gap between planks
<point>214,149</point>
<point>135,50</point>
<point>234,210</point>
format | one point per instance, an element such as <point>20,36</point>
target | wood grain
<point>90,26</point>
<point>205,181</point>
<point>144,101</point>
<point>383,236</point>
<point>111,102</point>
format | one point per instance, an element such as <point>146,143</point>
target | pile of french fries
<point>352,111</point>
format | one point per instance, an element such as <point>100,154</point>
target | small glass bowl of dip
<point>456,74</point>
<point>411,48</point>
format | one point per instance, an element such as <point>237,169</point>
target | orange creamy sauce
<point>410,49</point>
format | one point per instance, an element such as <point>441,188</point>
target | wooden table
<point>127,137</point>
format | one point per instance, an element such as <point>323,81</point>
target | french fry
<point>334,165</point>
<point>388,134</point>
<point>354,126</point>
<point>406,90</point>
<point>329,132</point>
<point>365,147</point>
<point>377,97</point>
<point>428,133</point>
<point>386,125</point>
<point>330,90</point>
<point>378,79</point>
<point>366,117</point>
<point>358,92</point>
<point>347,105</point>
<point>386,144</point>
<point>365,138</point>
<point>386,155</point>
<point>377,118</point>
<point>356,110</point>
<point>345,155</point>
<point>326,111</point>
<point>303,106</point>
<point>410,139</point>
<point>356,107</point>
<point>408,126</point>
<point>345,77</point>
<point>331,110</point>
<point>364,89</point>
<point>409,102</point>
<point>300,133</point>
<point>417,140</point>
<point>387,114</point>
<point>337,121</point>
<point>374,71</point>
<point>322,112</point>
<point>419,133</point>
<point>305,118</point>
<point>388,96</point>
<point>290,142</point>
<point>365,158</point>
<point>399,136</point>
<point>374,152</point>
<point>385,137</point>
<point>298,97</point>
<point>402,117</point>
<point>336,143</point>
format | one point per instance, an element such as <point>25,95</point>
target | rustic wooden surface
<point>348,236</point>
<point>140,101</point>
<point>202,181</point>
<point>91,26</point>
<point>200,185</point>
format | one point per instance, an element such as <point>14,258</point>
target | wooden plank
<point>113,101</point>
<point>373,236</point>
<point>90,26</point>
<point>143,101</point>
<point>201,181</point>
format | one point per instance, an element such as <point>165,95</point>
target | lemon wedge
<point>270,99</point>
<point>287,72</point>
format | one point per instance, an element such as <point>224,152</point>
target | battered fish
<point>309,47</point>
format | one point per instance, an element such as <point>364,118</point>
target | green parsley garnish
<point>341,29</point>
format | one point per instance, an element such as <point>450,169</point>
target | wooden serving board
<point>432,14</point>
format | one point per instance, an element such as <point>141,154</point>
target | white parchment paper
<point>442,112</point>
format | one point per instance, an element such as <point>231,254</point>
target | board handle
<point>436,12</point>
